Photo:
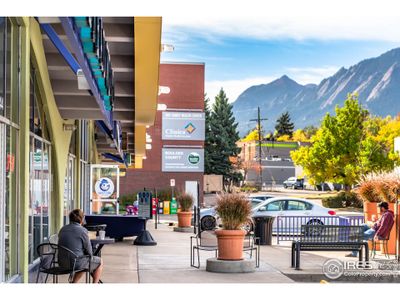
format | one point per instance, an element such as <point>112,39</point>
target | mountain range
<point>376,80</point>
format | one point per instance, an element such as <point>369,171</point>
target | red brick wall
<point>186,83</point>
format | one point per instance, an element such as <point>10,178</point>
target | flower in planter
<point>378,187</point>
<point>234,210</point>
<point>185,201</point>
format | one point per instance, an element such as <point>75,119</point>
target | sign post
<point>145,213</point>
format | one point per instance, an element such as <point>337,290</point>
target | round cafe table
<point>98,244</point>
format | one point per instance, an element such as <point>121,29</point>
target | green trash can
<point>173,207</point>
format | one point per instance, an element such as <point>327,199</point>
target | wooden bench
<point>329,238</point>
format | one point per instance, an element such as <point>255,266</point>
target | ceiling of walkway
<point>74,103</point>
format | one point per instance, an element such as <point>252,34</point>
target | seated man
<point>380,230</point>
<point>76,238</point>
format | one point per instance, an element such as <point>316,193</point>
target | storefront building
<point>178,129</point>
<point>52,129</point>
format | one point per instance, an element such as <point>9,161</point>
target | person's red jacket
<point>384,225</point>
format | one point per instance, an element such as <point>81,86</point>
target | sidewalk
<point>169,262</point>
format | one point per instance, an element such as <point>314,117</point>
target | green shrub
<point>343,199</point>
<point>127,199</point>
<point>332,202</point>
<point>247,188</point>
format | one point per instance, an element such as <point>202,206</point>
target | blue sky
<point>241,52</point>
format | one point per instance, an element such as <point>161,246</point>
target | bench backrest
<point>331,234</point>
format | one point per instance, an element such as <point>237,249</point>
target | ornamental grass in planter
<point>234,211</point>
<point>185,202</point>
<point>380,187</point>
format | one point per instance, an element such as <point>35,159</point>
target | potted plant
<point>185,202</point>
<point>375,188</point>
<point>234,211</point>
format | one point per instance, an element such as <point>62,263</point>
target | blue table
<point>118,226</point>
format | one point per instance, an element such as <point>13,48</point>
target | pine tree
<point>284,126</point>
<point>207,142</point>
<point>222,139</point>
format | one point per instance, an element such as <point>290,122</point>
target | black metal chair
<point>207,241</point>
<point>384,244</point>
<point>250,244</point>
<point>49,265</point>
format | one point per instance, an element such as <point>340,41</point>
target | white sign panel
<point>172,182</point>
<point>183,126</point>
<point>182,160</point>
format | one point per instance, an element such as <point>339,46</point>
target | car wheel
<point>314,231</point>
<point>208,223</point>
<point>284,186</point>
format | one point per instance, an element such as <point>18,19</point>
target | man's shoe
<point>351,255</point>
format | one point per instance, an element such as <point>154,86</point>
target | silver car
<point>209,218</point>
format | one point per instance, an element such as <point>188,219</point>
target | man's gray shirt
<point>74,237</point>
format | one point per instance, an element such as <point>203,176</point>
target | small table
<point>97,245</point>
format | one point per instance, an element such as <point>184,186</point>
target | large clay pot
<point>230,244</point>
<point>184,218</point>
<point>371,208</point>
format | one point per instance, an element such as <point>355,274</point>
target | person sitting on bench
<point>379,230</point>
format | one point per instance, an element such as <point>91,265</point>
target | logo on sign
<point>194,158</point>
<point>104,187</point>
<point>190,128</point>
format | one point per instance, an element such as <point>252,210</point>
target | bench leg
<point>297,257</point>
<point>366,252</point>
<point>293,255</point>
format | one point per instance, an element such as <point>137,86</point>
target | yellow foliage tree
<point>252,136</point>
<point>283,138</point>
<point>300,136</point>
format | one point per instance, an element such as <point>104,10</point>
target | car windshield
<point>254,203</point>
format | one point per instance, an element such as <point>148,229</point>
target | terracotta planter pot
<point>371,208</point>
<point>184,218</point>
<point>230,244</point>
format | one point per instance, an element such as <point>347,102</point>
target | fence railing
<point>288,228</point>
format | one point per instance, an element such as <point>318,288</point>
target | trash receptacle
<point>263,229</point>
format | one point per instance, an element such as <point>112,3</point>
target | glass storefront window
<point>2,66</point>
<point>40,183</point>
<point>69,188</point>
<point>9,131</point>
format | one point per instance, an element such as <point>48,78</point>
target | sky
<point>244,50</point>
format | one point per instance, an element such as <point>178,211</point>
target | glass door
<point>69,188</point>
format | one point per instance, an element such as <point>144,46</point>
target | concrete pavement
<point>169,262</point>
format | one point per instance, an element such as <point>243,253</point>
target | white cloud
<point>306,19</point>
<point>296,27</point>
<point>311,74</point>
<point>233,88</point>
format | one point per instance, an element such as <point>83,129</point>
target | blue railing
<point>288,228</point>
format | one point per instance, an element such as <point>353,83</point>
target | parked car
<point>209,218</point>
<point>308,212</point>
<point>294,183</point>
